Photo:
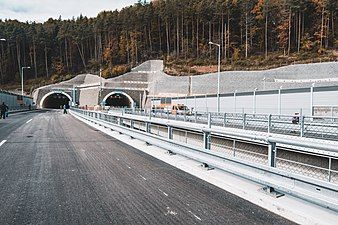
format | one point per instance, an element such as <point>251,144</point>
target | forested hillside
<point>175,30</point>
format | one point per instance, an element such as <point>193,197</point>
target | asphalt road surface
<point>57,170</point>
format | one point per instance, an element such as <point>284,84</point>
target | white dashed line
<point>29,121</point>
<point>117,159</point>
<point>195,215</point>
<point>143,177</point>
<point>170,212</point>
<point>129,167</point>
<point>163,192</point>
<point>3,142</point>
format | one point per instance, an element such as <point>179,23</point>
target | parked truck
<point>175,109</point>
<point>325,111</point>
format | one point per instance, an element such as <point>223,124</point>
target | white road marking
<point>3,142</point>
<point>195,215</point>
<point>163,192</point>
<point>29,121</point>
<point>170,212</point>
<point>129,167</point>
<point>117,159</point>
<point>143,177</point>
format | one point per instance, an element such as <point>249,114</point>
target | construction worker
<point>65,109</point>
<point>3,110</point>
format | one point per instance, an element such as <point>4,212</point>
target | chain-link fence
<point>295,125</point>
<point>311,165</point>
<point>159,130</point>
<point>188,137</point>
<point>240,149</point>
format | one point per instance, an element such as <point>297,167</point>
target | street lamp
<point>100,91</point>
<point>2,55</point>
<point>311,98</point>
<point>219,75</point>
<point>235,104</point>
<point>254,101</point>
<point>264,80</point>
<point>22,69</point>
<point>280,100</point>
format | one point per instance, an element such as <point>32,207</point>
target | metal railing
<point>295,166</point>
<point>303,126</point>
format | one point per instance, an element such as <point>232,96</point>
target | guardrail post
<point>170,133</point>
<point>209,120</point>
<point>206,140</point>
<point>272,150</point>
<point>132,124</point>
<point>272,153</point>
<point>330,168</point>
<point>148,129</point>
<point>244,121</point>
<point>302,126</point>
<point>269,123</point>
<point>195,116</point>
<point>224,120</point>
<point>185,116</point>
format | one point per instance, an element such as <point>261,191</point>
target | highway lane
<point>57,170</point>
<point>14,121</point>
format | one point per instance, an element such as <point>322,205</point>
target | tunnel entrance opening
<point>56,101</point>
<point>118,100</point>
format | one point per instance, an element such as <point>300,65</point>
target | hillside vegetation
<point>253,34</point>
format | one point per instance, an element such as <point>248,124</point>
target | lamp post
<point>100,92</point>
<point>235,104</point>
<point>219,75</point>
<point>264,80</point>
<point>22,69</point>
<point>280,100</point>
<point>2,54</point>
<point>254,101</point>
<point>311,99</point>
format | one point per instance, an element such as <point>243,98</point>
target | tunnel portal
<point>118,100</point>
<point>56,101</point>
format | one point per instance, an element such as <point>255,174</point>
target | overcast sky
<point>41,10</point>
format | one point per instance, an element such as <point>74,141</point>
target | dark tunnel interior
<point>56,101</point>
<point>118,101</point>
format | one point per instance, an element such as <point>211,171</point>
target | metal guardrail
<point>273,162</point>
<point>304,126</point>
